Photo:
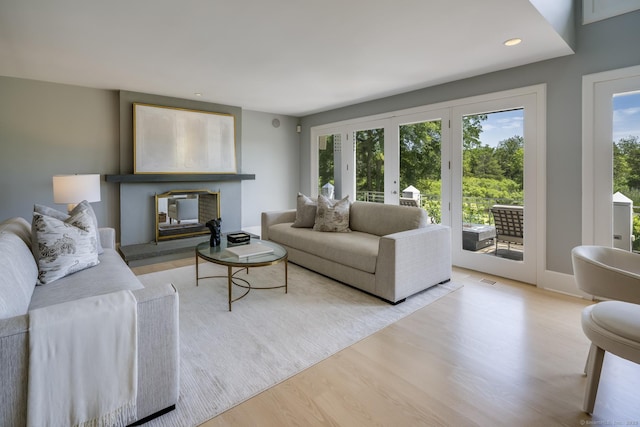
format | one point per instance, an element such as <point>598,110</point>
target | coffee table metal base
<point>232,280</point>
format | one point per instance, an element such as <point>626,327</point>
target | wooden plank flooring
<point>503,354</point>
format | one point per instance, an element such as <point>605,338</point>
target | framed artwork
<point>178,141</point>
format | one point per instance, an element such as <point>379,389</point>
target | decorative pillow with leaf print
<point>64,246</point>
<point>332,215</point>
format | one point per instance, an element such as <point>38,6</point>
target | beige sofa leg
<point>596,357</point>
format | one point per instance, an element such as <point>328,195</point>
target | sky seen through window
<point>505,124</point>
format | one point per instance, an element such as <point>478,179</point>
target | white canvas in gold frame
<point>175,140</point>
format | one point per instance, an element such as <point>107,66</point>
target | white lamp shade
<point>72,189</point>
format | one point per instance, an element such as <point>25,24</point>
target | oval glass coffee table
<point>221,255</point>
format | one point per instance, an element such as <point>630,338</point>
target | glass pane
<point>328,157</point>
<point>370,165</point>
<point>493,184</point>
<point>420,167</point>
<point>626,171</point>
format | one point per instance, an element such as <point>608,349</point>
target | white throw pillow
<point>332,215</point>
<point>64,247</point>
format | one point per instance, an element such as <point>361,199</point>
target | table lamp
<point>72,189</point>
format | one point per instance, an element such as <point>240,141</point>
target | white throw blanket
<point>83,362</point>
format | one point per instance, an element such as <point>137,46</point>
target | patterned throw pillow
<point>64,247</point>
<point>332,215</point>
<point>305,212</point>
<point>83,205</point>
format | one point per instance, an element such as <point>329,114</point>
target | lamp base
<point>70,207</point>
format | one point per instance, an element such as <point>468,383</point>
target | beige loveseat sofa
<point>157,311</point>
<point>391,252</point>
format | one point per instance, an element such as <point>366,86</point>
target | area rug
<point>229,357</point>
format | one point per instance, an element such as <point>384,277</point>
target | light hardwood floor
<point>488,354</point>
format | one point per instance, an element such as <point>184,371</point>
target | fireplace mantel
<point>139,178</point>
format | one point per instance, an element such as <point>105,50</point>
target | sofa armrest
<point>107,237</point>
<point>152,292</point>
<point>275,217</point>
<point>413,260</point>
<point>158,356</point>
<point>158,348</point>
<point>14,370</point>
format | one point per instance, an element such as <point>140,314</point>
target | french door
<point>421,157</point>
<point>370,161</point>
<point>354,161</point>
<point>422,148</point>
<point>600,93</point>
<point>501,174</point>
<point>377,160</point>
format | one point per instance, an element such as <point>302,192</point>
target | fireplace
<point>184,213</point>
<point>138,211</point>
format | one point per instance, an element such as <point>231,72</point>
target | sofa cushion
<point>383,219</point>
<point>305,212</point>
<point>111,275</point>
<point>355,249</point>
<point>332,215</point>
<point>18,274</point>
<point>64,247</point>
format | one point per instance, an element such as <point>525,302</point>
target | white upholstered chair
<point>607,272</point>
<point>612,326</point>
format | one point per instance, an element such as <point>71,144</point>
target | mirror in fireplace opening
<point>184,213</point>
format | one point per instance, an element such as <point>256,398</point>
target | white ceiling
<point>292,57</point>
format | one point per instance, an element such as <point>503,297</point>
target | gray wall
<point>604,45</point>
<point>273,154</point>
<point>48,129</point>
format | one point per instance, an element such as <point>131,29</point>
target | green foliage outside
<point>326,162</point>
<point>480,195</point>
<point>420,147</point>
<point>370,161</point>
<point>490,175</point>
<point>636,232</point>
<point>626,176</point>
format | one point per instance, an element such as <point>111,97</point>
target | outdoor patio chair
<point>509,222</point>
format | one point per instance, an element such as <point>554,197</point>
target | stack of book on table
<point>251,249</point>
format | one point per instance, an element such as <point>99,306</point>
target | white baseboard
<point>562,283</point>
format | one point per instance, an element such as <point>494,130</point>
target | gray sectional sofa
<point>391,251</point>
<point>157,311</point>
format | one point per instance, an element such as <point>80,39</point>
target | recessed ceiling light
<point>197,94</point>
<point>513,42</point>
